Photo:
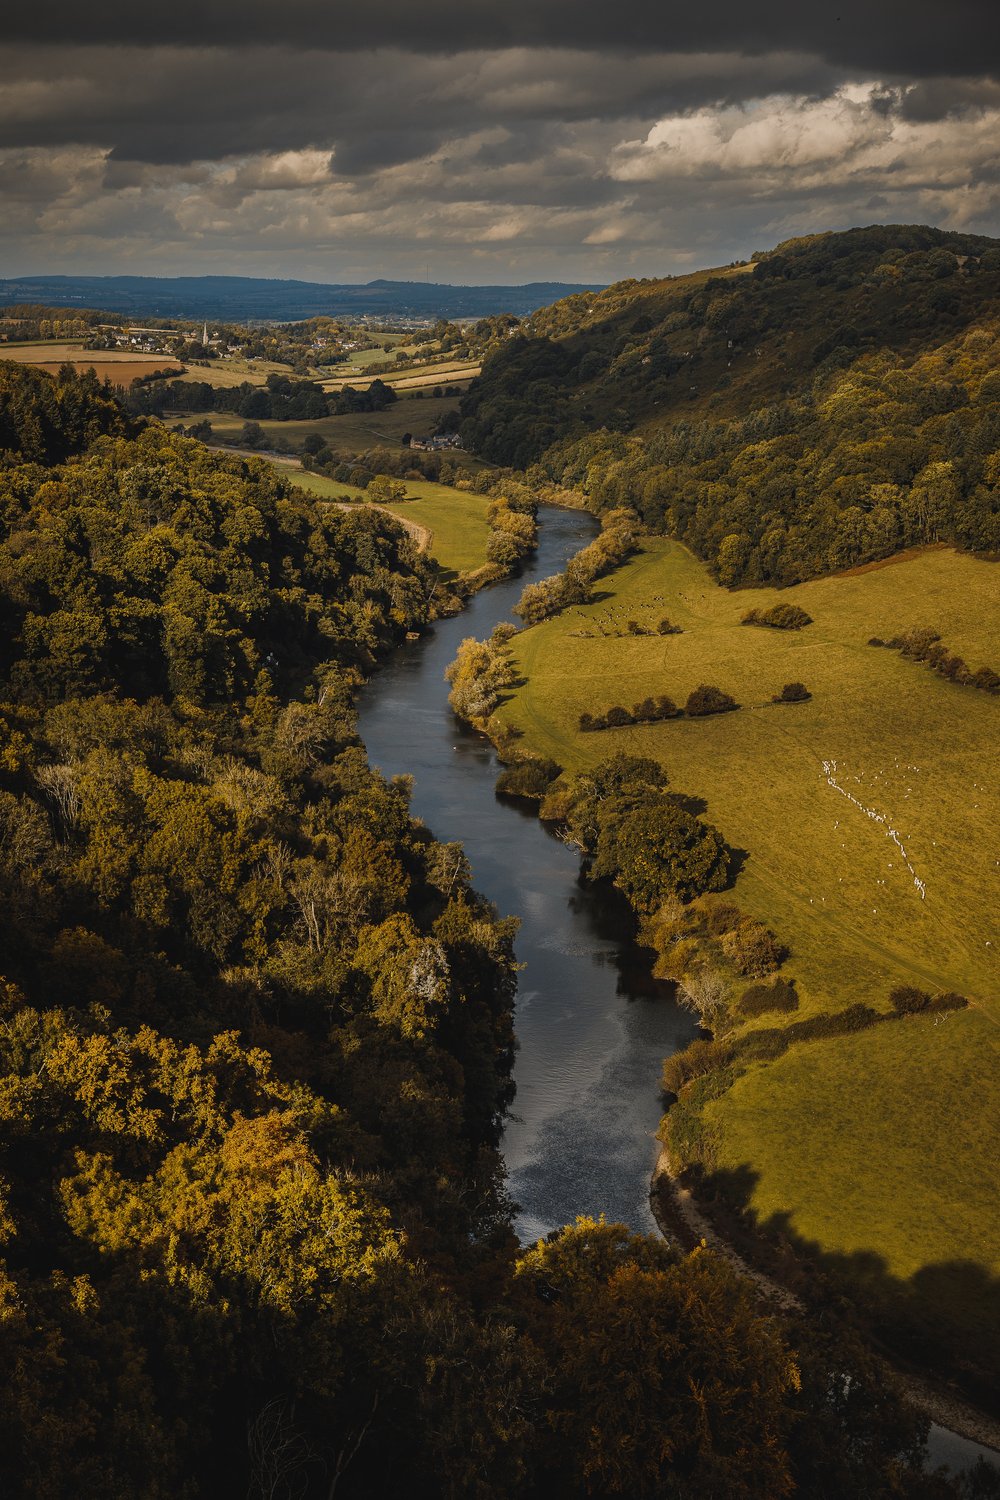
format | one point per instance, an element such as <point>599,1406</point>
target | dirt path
<point>679,1218</point>
<point>422,535</point>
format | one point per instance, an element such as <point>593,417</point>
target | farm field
<point>355,432</point>
<point>121,368</point>
<point>917,749</point>
<point>450,372</point>
<point>455,519</point>
<point>360,359</point>
<point>841,1137</point>
<point>225,373</point>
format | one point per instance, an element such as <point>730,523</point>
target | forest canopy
<point>256,1047</point>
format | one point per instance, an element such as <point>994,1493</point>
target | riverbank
<point>681,1220</point>
<point>593,1023</point>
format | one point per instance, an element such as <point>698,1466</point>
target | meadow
<point>225,373</point>
<point>902,741</point>
<point>121,368</point>
<point>454,520</point>
<point>838,1138</point>
<point>416,377</point>
<point>354,432</point>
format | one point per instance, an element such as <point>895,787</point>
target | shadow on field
<point>945,1318</point>
<point>695,806</point>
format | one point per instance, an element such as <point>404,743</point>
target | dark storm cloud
<point>174,105</point>
<point>918,37</point>
<point>496,139</point>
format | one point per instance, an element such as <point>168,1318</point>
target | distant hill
<point>724,342</point>
<point>240,298</point>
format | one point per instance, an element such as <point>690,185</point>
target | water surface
<point>592,1024</point>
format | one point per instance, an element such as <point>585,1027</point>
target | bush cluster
<point>649,711</point>
<point>924,644</point>
<point>761,999</point>
<point>617,541</point>
<point>792,692</point>
<point>907,1000</point>
<point>530,777</point>
<point>621,814</point>
<point>707,699</point>
<point>778,617</point>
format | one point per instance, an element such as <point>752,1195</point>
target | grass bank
<point>875,1152</point>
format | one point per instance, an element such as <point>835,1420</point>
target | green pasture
<point>455,520</point>
<point>907,1165</point>
<point>355,432</point>
<point>229,372</point>
<point>913,748</point>
<point>360,359</point>
<point>448,372</point>
<point>881,1147</point>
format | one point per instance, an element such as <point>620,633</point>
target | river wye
<point>593,1025</point>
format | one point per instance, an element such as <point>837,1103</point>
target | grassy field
<point>881,1146</point>
<point>360,359</point>
<point>875,1146</point>
<point>236,371</point>
<point>121,368</point>
<point>883,1151</point>
<point>456,520</point>
<point>352,433</point>
<point>449,372</point>
<point>917,749</point>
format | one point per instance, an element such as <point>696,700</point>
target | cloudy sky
<point>483,140</point>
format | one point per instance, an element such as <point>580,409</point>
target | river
<point>593,1026</point>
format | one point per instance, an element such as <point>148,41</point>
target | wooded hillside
<point>833,401</point>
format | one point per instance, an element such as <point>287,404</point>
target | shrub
<point>699,1057</point>
<point>792,692</point>
<point>948,1000</point>
<point>778,617</point>
<point>530,777</point>
<point>707,699</point>
<point>907,1000</point>
<point>705,992</point>
<point>665,627</point>
<point>723,918</point>
<point>617,717</point>
<point>760,999</point>
<point>752,949</point>
<point>986,680</point>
